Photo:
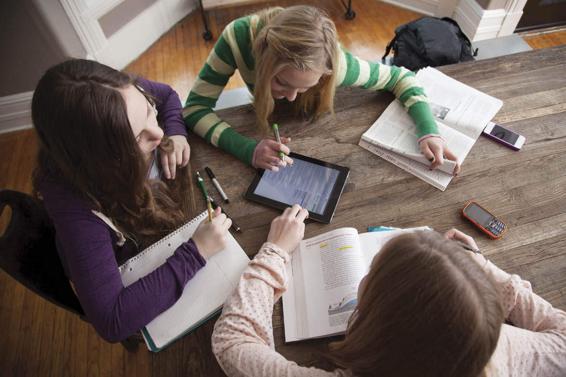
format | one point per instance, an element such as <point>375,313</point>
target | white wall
<point>64,34</point>
<point>73,30</point>
<point>30,45</point>
<point>133,38</point>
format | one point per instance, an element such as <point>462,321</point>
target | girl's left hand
<point>435,150</point>
<point>178,156</point>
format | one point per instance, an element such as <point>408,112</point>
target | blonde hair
<point>301,37</point>
<point>427,309</point>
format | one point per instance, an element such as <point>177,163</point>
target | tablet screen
<point>307,184</point>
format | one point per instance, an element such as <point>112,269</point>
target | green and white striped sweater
<point>233,50</point>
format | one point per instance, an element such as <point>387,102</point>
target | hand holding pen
<point>275,128</point>
<point>211,203</point>
<point>462,239</point>
<point>210,236</point>
<point>235,227</point>
<point>270,154</point>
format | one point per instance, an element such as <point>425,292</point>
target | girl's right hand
<point>456,235</point>
<point>435,150</point>
<point>288,229</point>
<point>210,236</point>
<point>266,154</point>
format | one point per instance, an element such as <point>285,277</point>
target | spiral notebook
<point>203,295</point>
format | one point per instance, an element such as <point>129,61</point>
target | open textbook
<point>461,112</point>
<point>203,295</point>
<point>323,278</point>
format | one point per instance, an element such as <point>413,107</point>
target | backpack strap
<point>388,48</point>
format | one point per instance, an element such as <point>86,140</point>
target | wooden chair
<point>28,253</point>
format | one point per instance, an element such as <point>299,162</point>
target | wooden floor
<point>545,39</point>
<point>39,339</point>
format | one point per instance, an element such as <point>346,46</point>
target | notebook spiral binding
<point>164,239</point>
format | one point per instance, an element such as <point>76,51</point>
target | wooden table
<point>526,189</point>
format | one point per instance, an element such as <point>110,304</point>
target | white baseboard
<point>15,112</point>
<point>426,7</point>
<point>477,23</point>
<point>138,35</point>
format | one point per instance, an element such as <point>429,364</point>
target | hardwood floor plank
<point>11,313</point>
<point>27,330</point>
<point>76,343</point>
<point>546,40</point>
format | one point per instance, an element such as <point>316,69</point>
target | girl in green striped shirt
<point>293,53</point>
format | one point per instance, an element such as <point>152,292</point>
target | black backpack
<point>429,41</point>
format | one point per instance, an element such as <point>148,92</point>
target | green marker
<point>200,183</point>
<point>278,138</point>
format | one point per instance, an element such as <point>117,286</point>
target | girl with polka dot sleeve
<point>427,307</point>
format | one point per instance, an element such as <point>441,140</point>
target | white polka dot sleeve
<point>243,336</point>
<point>536,341</point>
<point>522,306</point>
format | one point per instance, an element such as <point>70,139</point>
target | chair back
<point>28,251</point>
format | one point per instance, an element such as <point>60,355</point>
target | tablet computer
<point>313,184</point>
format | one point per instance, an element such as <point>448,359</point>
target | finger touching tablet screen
<point>313,184</point>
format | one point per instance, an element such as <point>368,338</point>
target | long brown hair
<point>427,309</point>
<point>302,37</point>
<point>87,142</point>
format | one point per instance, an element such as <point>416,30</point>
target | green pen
<point>200,183</point>
<point>278,138</point>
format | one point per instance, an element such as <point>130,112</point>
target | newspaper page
<point>461,111</point>
<point>436,178</point>
<point>395,131</point>
<point>456,104</point>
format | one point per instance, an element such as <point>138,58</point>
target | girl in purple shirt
<point>106,140</point>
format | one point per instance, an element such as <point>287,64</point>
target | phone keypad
<point>496,227</point>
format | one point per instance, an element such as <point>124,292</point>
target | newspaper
<point>461,112</point>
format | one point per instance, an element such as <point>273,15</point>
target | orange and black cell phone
<point>483,219</point>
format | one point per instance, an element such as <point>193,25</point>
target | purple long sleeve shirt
<point>88,249</point>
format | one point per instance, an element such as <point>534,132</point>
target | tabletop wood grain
<point>526,189</point>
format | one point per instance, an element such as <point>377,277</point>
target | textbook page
<point>323,279</point>
<point>326,271</point>
<point>371,243</point>
<point>456,104</point>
